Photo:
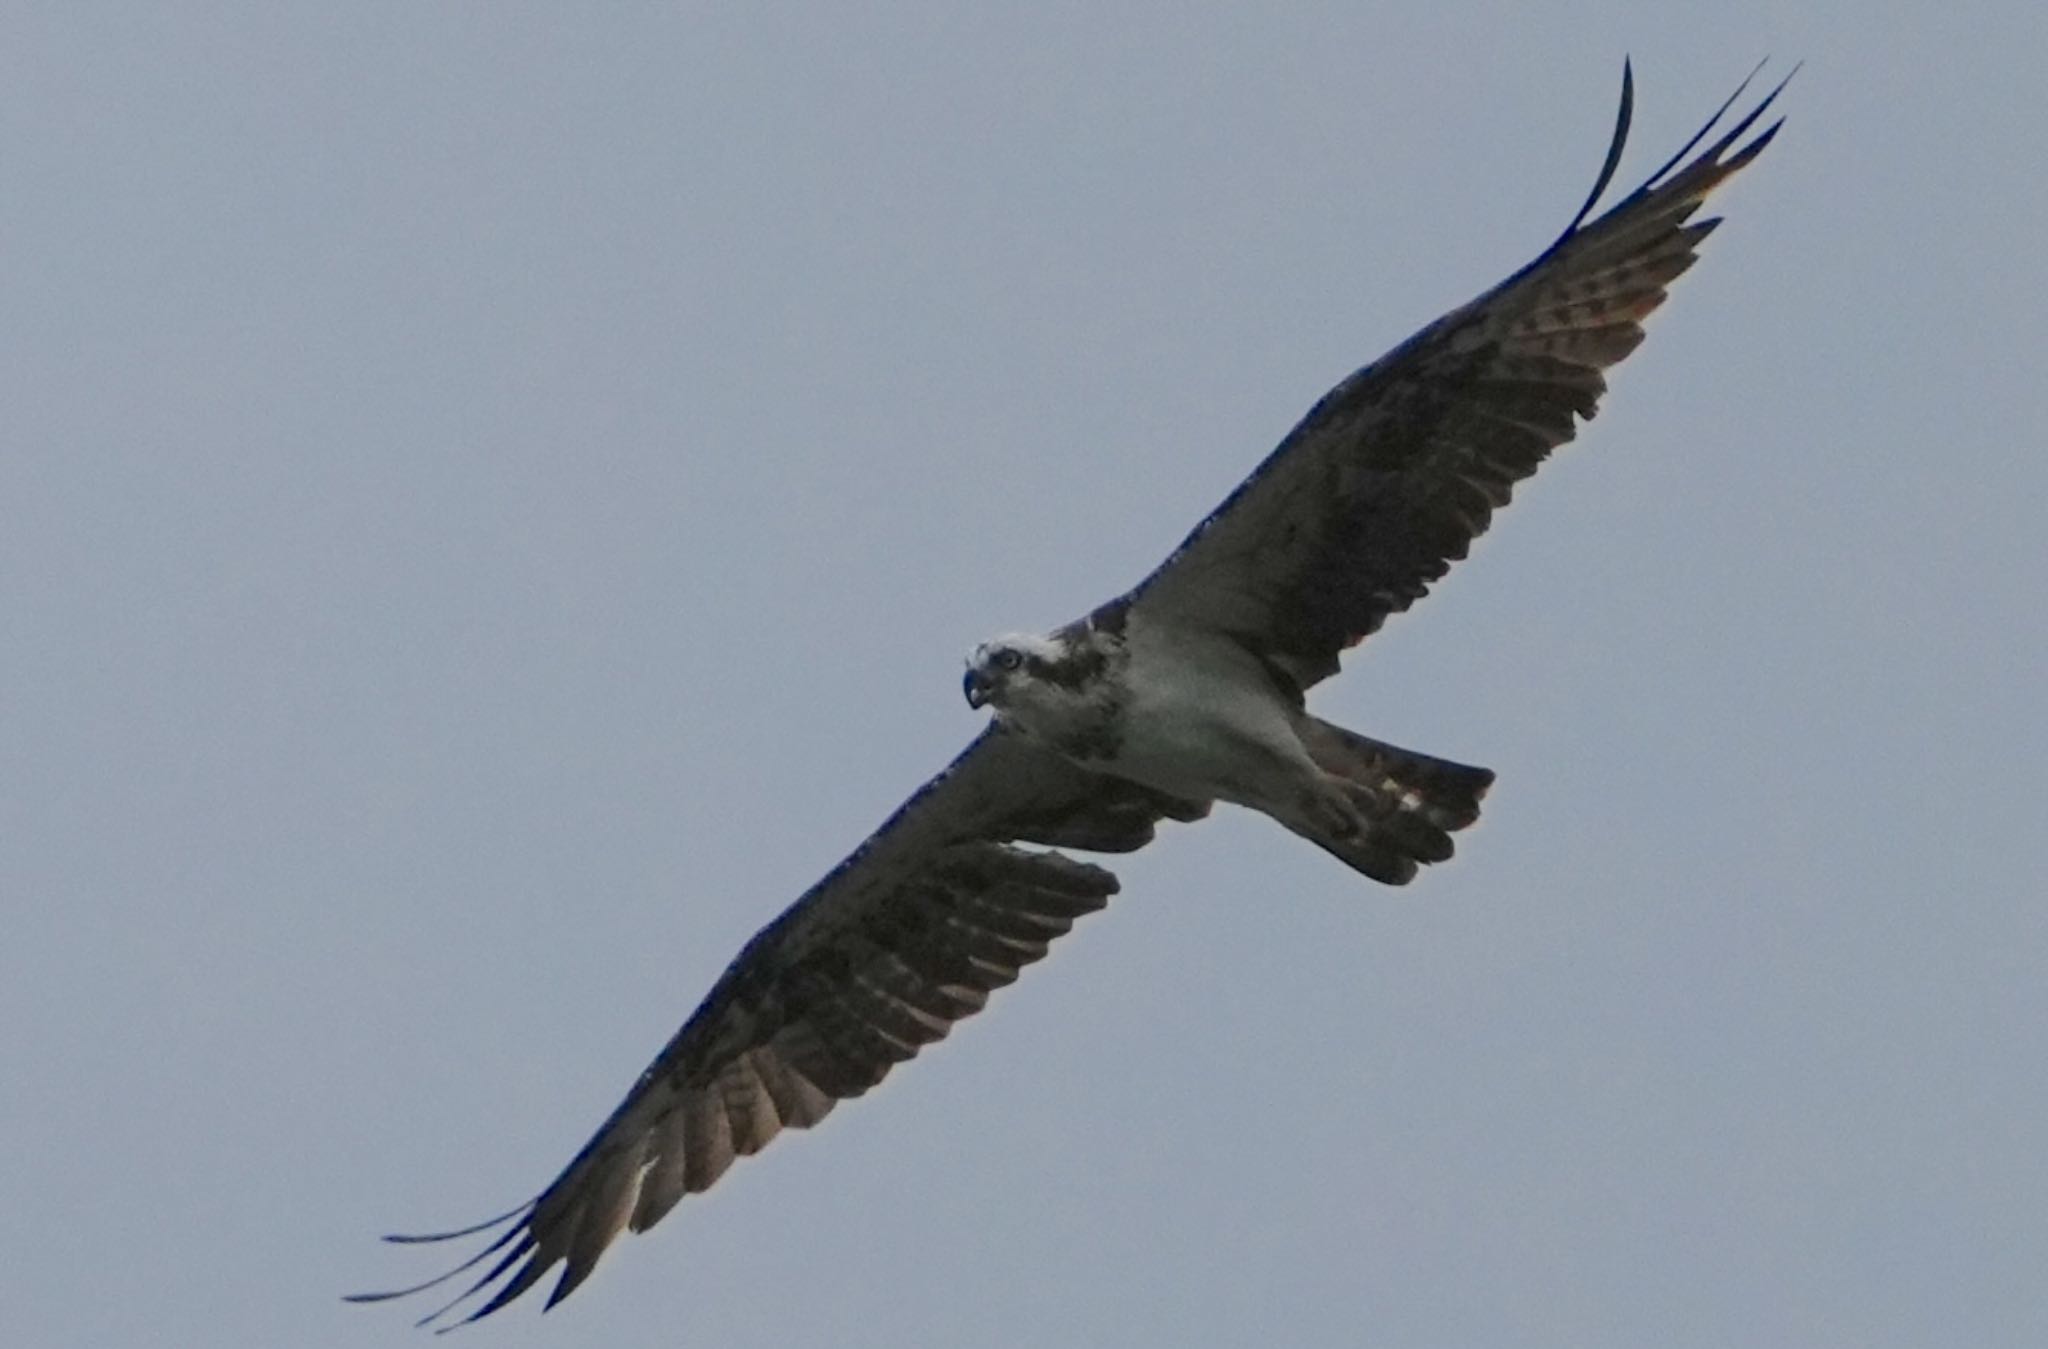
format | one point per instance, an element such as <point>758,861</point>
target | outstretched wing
<point>908,935</point>
<point>1391,476</point>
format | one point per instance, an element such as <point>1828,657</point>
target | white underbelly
<point>1204,721</point>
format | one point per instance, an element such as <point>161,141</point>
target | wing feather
<point>1390,477</point>
<point>1362,507</point>
<point>907,936</point>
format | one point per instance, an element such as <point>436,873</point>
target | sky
<point>496,499</point>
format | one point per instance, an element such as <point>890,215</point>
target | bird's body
<point>1194,714</point>
<point>1184,711</point>
<point>1202,720</point>
<point>1188,690</point>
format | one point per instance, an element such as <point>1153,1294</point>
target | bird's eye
<point>1009,659</point>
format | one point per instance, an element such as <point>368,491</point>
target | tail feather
<point>1387,810</point>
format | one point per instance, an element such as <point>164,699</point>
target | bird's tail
<point>1384,811</point>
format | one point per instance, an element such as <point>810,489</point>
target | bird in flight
<point>1185,691</point>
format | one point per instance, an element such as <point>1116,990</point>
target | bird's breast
<point>1197,717</point>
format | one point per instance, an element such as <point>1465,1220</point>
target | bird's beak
<point>977,686</point>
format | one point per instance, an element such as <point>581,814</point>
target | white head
<point>1012,668</point>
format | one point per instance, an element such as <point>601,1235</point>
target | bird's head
<point>1016,668</point>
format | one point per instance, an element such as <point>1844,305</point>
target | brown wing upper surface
<point>908,935</point>
<point>1392,475</point>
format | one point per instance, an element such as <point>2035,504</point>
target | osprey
<point>1185,691</point>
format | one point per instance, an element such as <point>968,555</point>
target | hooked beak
<point>977,687</point>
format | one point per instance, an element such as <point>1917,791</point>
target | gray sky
<point>497,497</point>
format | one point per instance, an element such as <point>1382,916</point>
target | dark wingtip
<point>1755,147</point>
<point>1686,149</point>
<point>1622,117</point>
<point>1711,157</point>
<point>423,1238</point>
<point>509,1237</point>
<point>564,1286</point>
